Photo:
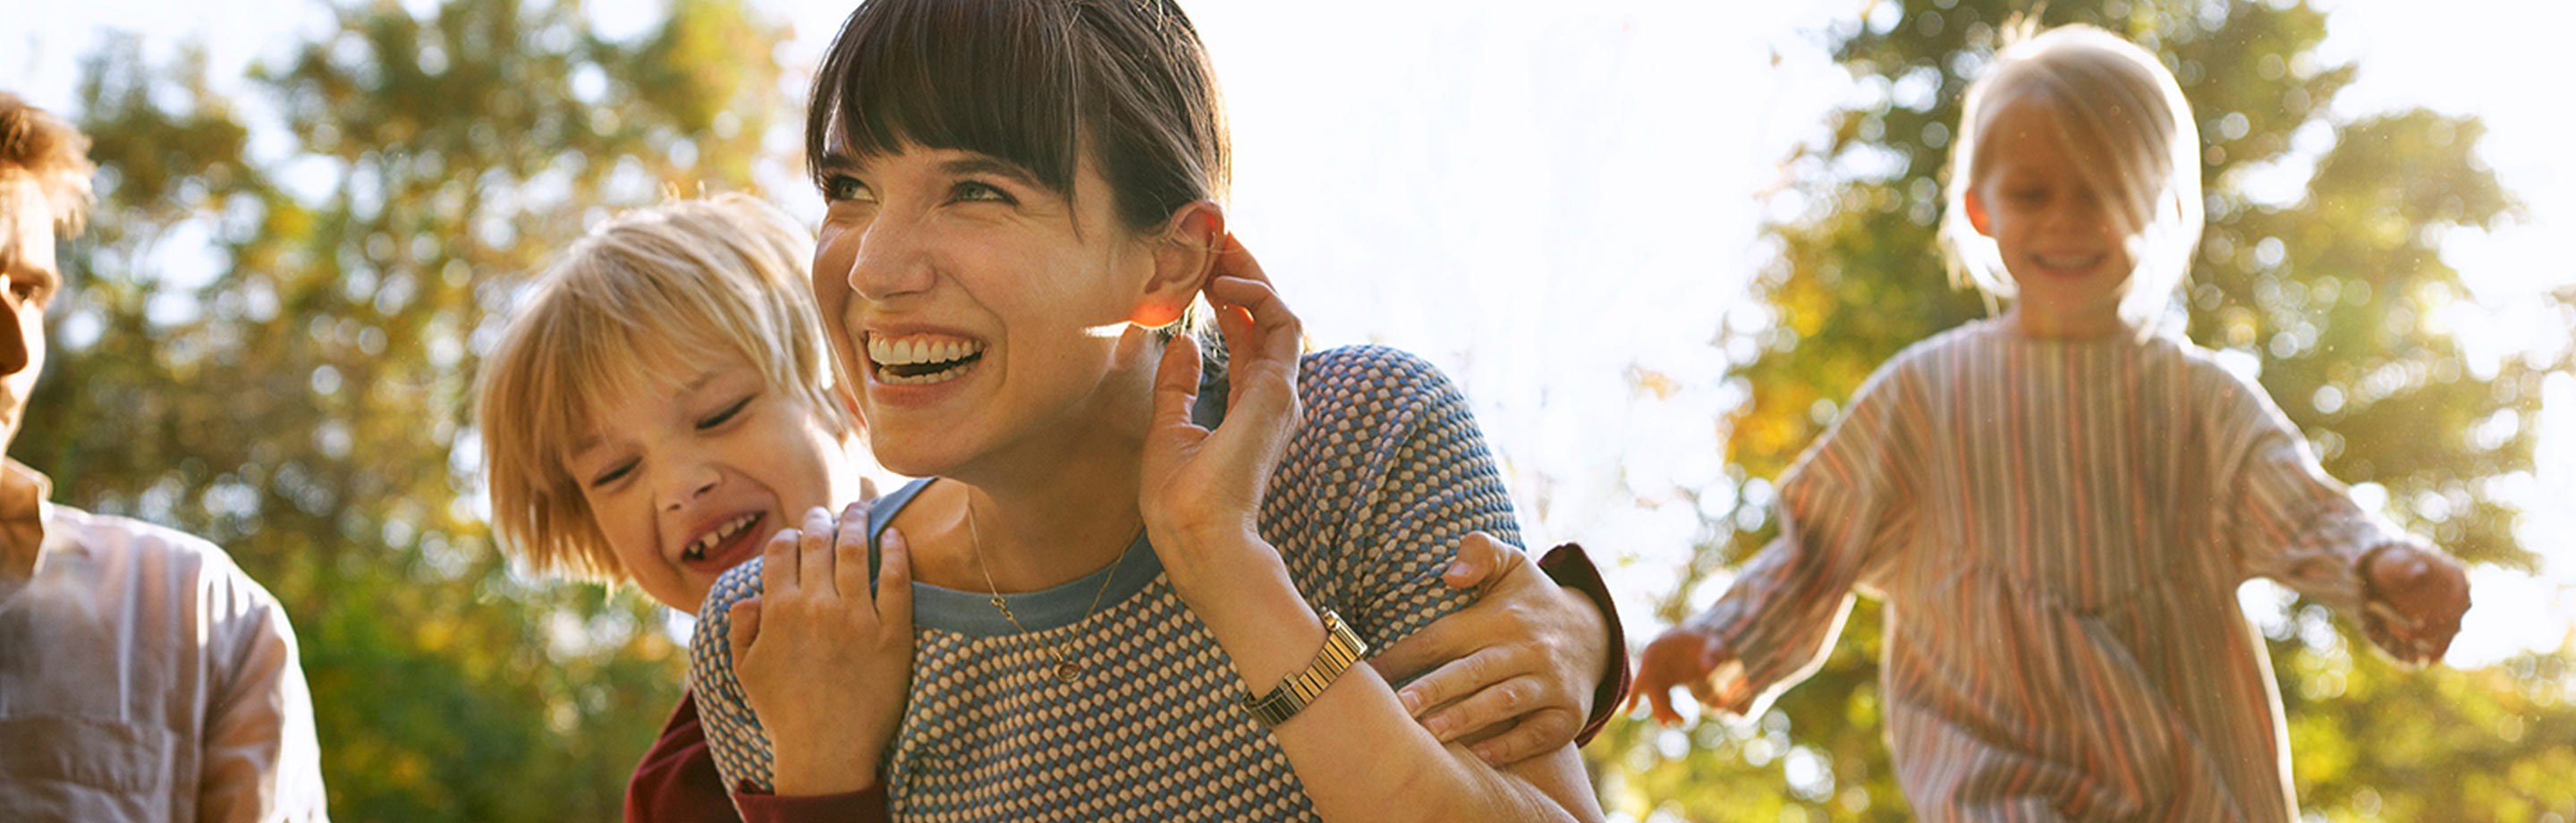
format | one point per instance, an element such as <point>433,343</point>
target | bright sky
<point>1542,196</point>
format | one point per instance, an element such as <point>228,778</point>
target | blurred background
<point>1658,241</point>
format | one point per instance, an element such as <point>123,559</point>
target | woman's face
<point>981,313</point>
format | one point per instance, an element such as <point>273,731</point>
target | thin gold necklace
<point>1066,670</point>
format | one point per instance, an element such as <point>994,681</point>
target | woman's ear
<point>1184,255</point>
<point>1976,206</point>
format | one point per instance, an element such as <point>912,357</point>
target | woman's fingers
<point>1176,384</point>
<point>1233,260</point>
<point>1273,330</point>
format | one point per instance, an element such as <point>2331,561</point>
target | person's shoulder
<point>1368,366</point>
<point>156,552</point>
<point>147,543</point>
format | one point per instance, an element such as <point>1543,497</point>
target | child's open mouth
<point>719,536</point>
<point>922,358</point>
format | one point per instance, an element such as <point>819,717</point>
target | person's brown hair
<point>1035,83</point>
<point>39,148</point>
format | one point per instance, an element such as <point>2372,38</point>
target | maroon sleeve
<point>1571,568</point>
<point>866,805</point>
<point>677,780</point>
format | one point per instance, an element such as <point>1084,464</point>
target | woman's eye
<point>719,418</point>
<point>841,187</point>
<point>972,191</point>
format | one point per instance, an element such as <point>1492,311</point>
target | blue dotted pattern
<point>1385,477</point>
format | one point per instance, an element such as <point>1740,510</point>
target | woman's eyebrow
<point>997,167</point>
<point>837,160</point>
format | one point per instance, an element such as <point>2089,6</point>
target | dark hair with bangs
<point>1033,82</point>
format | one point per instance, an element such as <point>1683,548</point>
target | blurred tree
<point>274,323</point>
<point>2321,264</point>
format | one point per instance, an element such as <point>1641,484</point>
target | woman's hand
<point>1689,657</point>
<point>2417,598</point>
<point>1516,670</point>
<point>826,664</point>
<point>1201,489</point>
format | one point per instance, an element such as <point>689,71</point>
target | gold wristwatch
<point>1342,647</point>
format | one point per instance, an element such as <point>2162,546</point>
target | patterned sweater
<point>2059,529</point>
<point>1384,478</point>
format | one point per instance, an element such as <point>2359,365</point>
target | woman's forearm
<point>1359,754</point>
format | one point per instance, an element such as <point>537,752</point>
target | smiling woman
<point>1134,600</point>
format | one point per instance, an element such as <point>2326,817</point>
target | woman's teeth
<point>707,542</point>
<point>922,358</point>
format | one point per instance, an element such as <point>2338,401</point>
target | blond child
<point>2059,503</point>
<point>664,404</point>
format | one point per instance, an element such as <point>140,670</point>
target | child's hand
<point>1689,657</point>
<point>1201,489</point>
<point>1517,669</point>
<point>2417,598</point>
<point>825,664</point>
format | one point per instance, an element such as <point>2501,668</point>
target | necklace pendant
<point>1067,671</point>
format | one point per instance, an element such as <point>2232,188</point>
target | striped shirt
<point>2058,529</point>
<point>1383,479</point>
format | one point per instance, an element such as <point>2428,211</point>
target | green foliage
<point>274,349</point>
<point>2333,289</point>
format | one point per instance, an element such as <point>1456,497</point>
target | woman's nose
<point>891,258</point>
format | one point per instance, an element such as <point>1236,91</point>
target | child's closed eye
<point>612,474</point>
<point>729,413</point>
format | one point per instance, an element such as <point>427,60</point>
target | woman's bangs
<point>986,77</point>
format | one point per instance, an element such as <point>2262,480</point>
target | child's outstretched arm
<point>1846,506</point>
<point>2291,522</point>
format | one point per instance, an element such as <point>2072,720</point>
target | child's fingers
<point>1482,563</point>
<point>867,490</point>
<point>814,564</point>
<point>1453,680</point>
<point>894,584</point>
<point>1493,704</point>
<point>743,627</point>
<point>850,551</point>
<point>778,563</point>
<point>1534,735</point>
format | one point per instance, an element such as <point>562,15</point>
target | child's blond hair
<point>725,273</point>
<point>2122,116</point>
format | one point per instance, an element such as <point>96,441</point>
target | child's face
<point>690,475</point>
<point>985,316</point>
<point>2056,234</point>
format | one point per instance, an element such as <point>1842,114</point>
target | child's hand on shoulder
<point>825,662</point>
<point>2416,599</point>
